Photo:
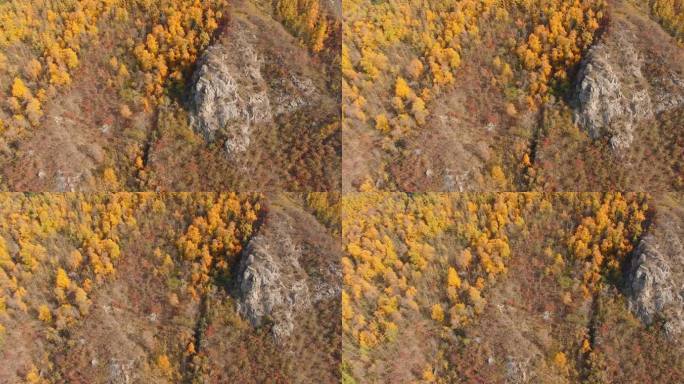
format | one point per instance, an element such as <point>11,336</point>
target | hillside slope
<point>512,288</point>
<point>512,96</point>
<point>102,95</point>
<point>150,288</point>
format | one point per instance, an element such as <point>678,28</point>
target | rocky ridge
<point>221,102</point>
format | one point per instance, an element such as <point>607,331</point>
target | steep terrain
<point>149,288</point>
<point>512,288</point>
<point>628,98</point>
<point>625,80</point>
<point>487,96</point>
<point>656,276</point>
<point>169,95</point>
<point>287,285</point>
<point>430,288</point>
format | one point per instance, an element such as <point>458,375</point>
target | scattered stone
<point>121,371</point>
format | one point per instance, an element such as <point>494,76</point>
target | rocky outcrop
<point>611,95</point>
<point>656,277</point>
<point>230,94</point>
<point>274,283</point>
<point>617,88</point>
<point>269,284</point>
<point>235,91</point>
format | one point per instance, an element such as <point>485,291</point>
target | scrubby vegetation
<point>373,258</point>
<point>140,55</point>
<point>453,96</point>
<point>431,31</point>
<point>565,145</point>
<point>90,266</point>
<point>425,275</point>
<point>42,43</point>
<point>670,13</point>
<point>436,287</point>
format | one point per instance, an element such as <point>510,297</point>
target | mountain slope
<point>511,96</point>
<point>100,95</point>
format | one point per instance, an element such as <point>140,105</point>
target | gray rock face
<point>656,278</point>
<point>234,92</point>
<point>273,283</point>
<point>610,94</point>
<point>230,93</point>
<point>269,286</point>
<point>616,92</point>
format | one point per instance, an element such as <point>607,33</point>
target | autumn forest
<point>341,191</point>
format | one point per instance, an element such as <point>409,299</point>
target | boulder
<point>610,94</point>
<point>269,285</point>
